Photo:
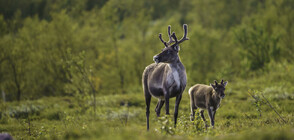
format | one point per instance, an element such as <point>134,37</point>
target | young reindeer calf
<point>206,97</point>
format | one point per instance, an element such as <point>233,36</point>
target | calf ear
<point>215,82</point>
<point>212,86</point>
<point>225,84</point>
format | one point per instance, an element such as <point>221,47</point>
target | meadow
<point>122,116</point>
<point>72,69</point>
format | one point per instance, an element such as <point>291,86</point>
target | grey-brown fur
<point>206,98</point>
<point>166,78</point>
<point>5,136</point>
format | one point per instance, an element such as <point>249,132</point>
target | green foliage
<point>258,48</point>
<point>258,101</point>
<point>166,125</point>
<point>39,45</point>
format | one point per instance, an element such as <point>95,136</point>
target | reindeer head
<point>170,53</point>
<point>220,88</point>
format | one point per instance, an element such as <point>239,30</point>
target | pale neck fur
<point>175,65</point>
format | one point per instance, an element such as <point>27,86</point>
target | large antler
<point>173,38</point>
<point>169,36</point>
<point>185,27</point>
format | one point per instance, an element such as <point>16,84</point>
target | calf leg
<point>178,100</point>
<point>210,113</point>
<point>158,107</point>
<point>202,116</point>
<point>193,108</point>
<point>213,113</point>
<point>192,116</point>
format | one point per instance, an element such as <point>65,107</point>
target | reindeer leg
<point>166,96</point>
<point>210,113</point>
<point>147,100</point>
<point>178,100</point>
<point>203,118</point>
<point>158,107</point>
<point>202,115</point>
<point>193,108</point>
<point>213,115</point>
<point>192,116</point>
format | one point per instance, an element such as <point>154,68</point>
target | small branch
<point>273,108</point>
<point>255,98</point>
<point>252,96</point>
<point>257,102</point>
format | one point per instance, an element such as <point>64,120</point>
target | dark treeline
<point>74,47</point>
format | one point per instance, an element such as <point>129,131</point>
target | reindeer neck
<point>176,65</point>
<point>178,68</point>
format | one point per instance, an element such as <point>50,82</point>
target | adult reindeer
<point>166,78</point>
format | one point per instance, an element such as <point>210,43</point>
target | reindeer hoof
<point>157,114</point>
<point>206,126</point>
<point>191,118</point>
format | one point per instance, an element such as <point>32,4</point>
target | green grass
<point>122,116</point>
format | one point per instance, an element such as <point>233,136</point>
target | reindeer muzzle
<point>223,96</point>
<point>156,59</point>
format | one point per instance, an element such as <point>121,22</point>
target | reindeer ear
<point>176,48</point>
<point>225,84</point>
<point>212,86</point>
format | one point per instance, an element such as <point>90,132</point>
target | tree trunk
<point>119,69</point>
<point>16,81</point>
<point>18,93</point>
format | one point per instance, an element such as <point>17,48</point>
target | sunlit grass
<point>122,116</point>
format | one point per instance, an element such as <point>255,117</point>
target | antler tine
<point>168,30</point>
<point>169,36</point>
<point>160,37</point>
<point>174,37</point>
<point>185,27</point>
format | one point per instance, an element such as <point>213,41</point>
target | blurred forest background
<point>74,47</point>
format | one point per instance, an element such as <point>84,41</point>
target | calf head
<point>220,88</point>
<point>170,53</point>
